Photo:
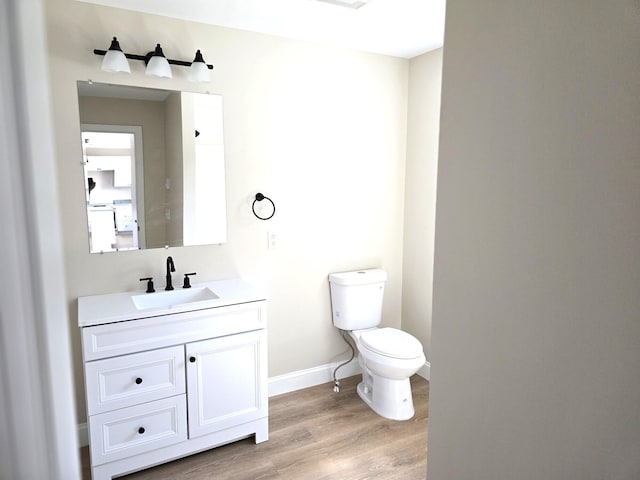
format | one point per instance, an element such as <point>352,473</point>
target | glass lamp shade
<point>199,72</point>
<point>115,60</point>
<point>158,65</point>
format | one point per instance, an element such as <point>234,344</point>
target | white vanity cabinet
<point>164,385</point>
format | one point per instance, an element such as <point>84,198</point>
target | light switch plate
<point>273,240</point>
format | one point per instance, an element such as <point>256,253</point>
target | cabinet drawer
<point>109,340</point>
<point>142,377</point>
<point>138,429</point>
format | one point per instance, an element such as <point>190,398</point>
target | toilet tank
<point>356,298</point>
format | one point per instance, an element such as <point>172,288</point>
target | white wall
<point>322,131</point>
<point>536,331</point>
<point>423,126</point>
<point>37,421</point>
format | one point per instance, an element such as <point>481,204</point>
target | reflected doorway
<point>112,158</point>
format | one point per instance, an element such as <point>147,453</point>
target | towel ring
<point>259,198</point>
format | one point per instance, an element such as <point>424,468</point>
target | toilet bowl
<point>388,357</point>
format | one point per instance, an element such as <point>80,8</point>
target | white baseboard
<point>290,382</point>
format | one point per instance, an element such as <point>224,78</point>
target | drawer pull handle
<point>138,380</point>
<point>141,430</point>
<point>192,359</point>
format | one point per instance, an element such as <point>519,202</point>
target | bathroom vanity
<point>169,374</point>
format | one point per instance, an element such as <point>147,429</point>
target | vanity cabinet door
<point>226,381</point>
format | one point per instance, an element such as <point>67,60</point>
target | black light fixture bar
<point>145,58</point>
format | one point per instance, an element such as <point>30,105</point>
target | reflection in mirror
<point>113,162</point>
<point>153,167</point>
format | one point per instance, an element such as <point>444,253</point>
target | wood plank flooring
<point>315,434</point>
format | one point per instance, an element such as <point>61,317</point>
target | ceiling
<point>400,28</point>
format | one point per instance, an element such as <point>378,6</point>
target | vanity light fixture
<point>115,60</point>
<point>157,65</point>
<point>199,71</point>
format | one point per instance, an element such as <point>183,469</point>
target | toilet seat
<point>392,343</point>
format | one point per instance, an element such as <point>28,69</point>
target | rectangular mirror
<point>153,167</point>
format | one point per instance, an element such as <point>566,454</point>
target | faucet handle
<point>149,281</point>
<point>187,283</point>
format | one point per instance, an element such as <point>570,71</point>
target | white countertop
<point>118,307</point>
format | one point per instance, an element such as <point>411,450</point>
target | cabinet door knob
<point>192,359</point>
<point>141,430</point>
<point>138,380</point>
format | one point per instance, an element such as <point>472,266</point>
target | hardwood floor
<point>315,434</point>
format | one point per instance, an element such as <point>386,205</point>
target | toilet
<point>387,356</point>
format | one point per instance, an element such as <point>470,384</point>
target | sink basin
<point>173,298</point>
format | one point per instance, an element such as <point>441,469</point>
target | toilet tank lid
<point>392,342</point>
<point>359,277</point>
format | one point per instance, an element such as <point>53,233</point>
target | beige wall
<point>536,330</point>
<point>322,131</point>
<point>425,74</point>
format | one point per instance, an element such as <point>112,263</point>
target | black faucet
<point>170,268</point>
